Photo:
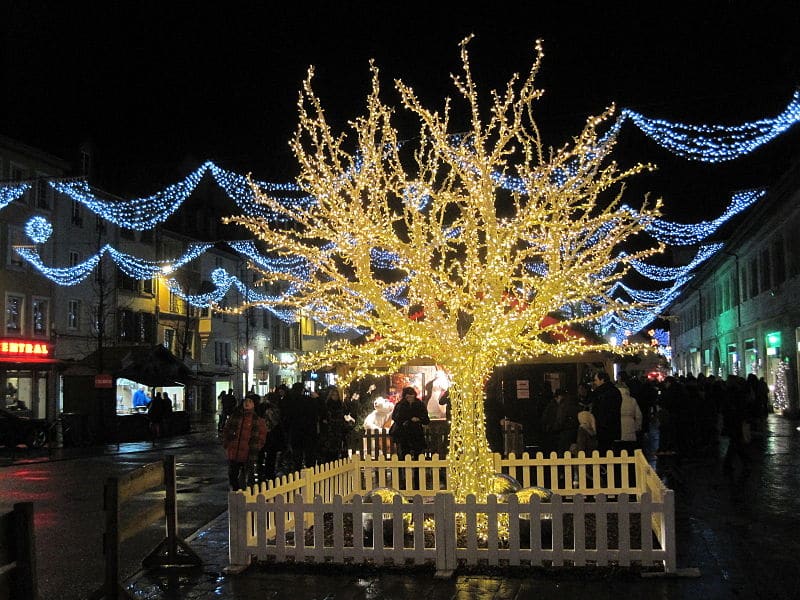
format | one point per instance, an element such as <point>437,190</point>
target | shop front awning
<point>153,366</point>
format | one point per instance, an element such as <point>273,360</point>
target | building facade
<point>740,314</point>
<point>49,326</point>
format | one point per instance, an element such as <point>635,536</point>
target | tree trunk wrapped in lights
<point>435,227</point>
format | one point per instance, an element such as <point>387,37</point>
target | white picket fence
<point>611,510</point>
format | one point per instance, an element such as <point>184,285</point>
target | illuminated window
<point>40,316</point>
<point>14,304</point>
<point>175,303</point>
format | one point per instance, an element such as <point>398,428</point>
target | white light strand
<point>657,273</point>
<point>715,143</point>
<point>680,234</point>
<point>9,193</point>
<point>132,266</point>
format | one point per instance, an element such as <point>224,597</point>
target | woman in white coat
<point>630,419</point>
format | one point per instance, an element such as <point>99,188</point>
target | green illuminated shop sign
<point>774,339</point>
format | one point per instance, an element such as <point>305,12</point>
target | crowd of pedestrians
<point>690,413</point>
<point>289,429</point>
<point>292,428</point>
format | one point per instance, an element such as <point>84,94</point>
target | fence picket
<point>624,534</point>
<point>579,530</point>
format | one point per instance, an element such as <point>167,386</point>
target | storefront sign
<point>103,381</point>
<point>25,350</point>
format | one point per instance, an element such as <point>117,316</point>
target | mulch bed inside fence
<point>568,528</point>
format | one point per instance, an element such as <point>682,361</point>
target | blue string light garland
<point>709,143</point>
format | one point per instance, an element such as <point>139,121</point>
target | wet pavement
<point>736,538</point>
<point>65,486</point>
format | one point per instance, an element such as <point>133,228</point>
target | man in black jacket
<point>606,411</point>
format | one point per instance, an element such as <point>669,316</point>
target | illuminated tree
<point>432,229</point>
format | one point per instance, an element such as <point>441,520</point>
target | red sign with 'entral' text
<point>15,350</point>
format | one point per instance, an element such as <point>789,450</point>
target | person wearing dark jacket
<point>408,417</point>
<point>560,422</point>
<point>606,410</point>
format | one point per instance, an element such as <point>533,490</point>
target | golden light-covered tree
<point>433,226</point>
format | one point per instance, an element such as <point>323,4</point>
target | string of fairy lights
<point>708,143</point>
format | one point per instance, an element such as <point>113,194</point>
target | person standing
<point>606,410</point>
<point>227,406</point>
<point>408,417</point>
<point>585,397</point>
<point>630,420</point>
<point>560,422</point>
<point>155,415</point>
<point>268,455</point>
<point>140,399</point>
<point>243,437</point>
<point>333,427</point>
<point>304,417</point>
<point>734,417</point>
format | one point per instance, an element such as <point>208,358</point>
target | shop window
<point>40,312</point>
<point>733,360</point>
<point>750,356</point>
<point>14,304</point>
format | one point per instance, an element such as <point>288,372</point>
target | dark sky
<point>157,85</point>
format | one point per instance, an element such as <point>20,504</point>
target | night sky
<point>158,87</point>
